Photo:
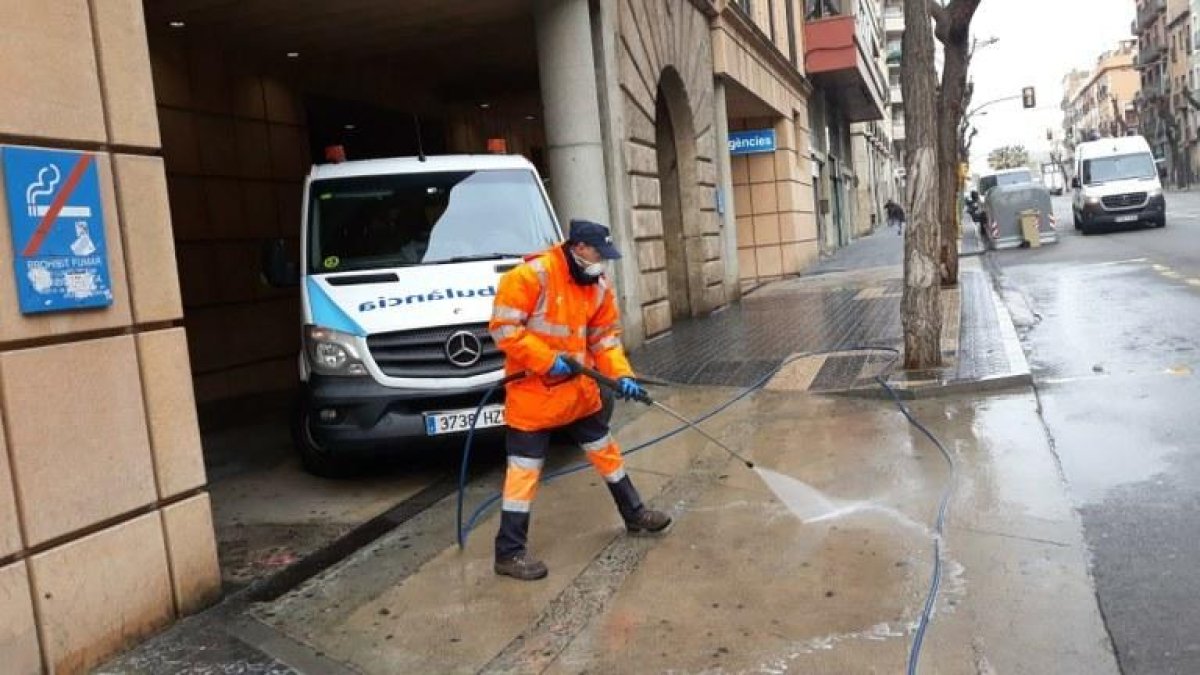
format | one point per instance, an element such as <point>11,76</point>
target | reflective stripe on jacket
<point>539,313</point>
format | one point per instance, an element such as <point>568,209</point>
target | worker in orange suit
<point>556,306</point>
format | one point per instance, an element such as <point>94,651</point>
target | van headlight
<point>1154,192</point>
<point>1091,201</point>
<point>332,352</point>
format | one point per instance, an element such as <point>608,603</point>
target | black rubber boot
<point>522,566</point>
<point>648,522</point>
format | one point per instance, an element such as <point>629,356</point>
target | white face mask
<point>592,269</point>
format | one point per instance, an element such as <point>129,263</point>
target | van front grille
<point>1126,201</point>
<point>427,352</point>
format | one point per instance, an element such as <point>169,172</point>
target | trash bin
<point>1006,207</point>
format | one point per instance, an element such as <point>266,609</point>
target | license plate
<point>1127,219</point>
<point>456,421</point>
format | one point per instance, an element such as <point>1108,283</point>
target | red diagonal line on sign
<point>43,228</point>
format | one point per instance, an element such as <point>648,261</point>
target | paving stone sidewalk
<point>848,305</point>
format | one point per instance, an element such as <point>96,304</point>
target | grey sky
<point>1040,41</point>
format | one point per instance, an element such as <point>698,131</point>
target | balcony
<point>897,94</point>
<point>835,58</point>
<point>1148,12</point>
<point>1150,54</point>
<point>898,131</point>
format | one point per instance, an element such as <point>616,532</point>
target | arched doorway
<point>675,143</point>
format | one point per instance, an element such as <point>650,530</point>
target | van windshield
<point>1118,167</point>
<point>371,222</point>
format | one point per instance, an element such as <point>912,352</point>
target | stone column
<point>729,246</point>
<point>625,272</point>
<point>571,108</point>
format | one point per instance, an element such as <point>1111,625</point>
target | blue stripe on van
<point>326,313</point>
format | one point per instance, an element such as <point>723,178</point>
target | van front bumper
<point>359,415</point>
<point>1155,209</point>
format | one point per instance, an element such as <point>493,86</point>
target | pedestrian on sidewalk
<point>555,306</point>
<point>895,216</point>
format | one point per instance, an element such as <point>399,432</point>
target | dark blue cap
<point>595,235</point>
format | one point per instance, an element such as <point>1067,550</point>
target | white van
<point>399,264</point>
<point>1116,182</point>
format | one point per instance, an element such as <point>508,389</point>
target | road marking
<point>1069,380</point>
<point>1130,261</point>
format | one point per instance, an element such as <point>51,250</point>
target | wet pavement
<point>1111,323</point>
<point>846,314</point>
<point>820,562</point>
<point>820,568</point>
<point>270,514</point>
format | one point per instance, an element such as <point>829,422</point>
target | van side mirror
<point>277,269</point>
<point>1162,172</point>
<point>1075,183</point>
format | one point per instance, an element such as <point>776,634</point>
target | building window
<point>771,19</point>
<point>816,9</point>
<point>745,6</point>
<point>790,11</point>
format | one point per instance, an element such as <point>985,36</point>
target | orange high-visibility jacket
<point>539,313</point>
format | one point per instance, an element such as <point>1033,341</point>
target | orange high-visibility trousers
<point>526,458</point>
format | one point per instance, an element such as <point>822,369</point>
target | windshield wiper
<point>476,257</point>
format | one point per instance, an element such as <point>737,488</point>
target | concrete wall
<point>515,119</point>
<point>236,152</point>
<point>773,193</point>
<point>655,37</point>
<point>100,456</point>
<point>777,234</point>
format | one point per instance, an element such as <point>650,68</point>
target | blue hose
<point>914,655</point>
<point>935,583</point>
<point>466,459</point>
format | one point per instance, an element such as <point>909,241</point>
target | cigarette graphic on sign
<point>43,190</point>
<point>59,205</point>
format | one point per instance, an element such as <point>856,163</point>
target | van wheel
<point>315,458</point>
<point>1161,222</point>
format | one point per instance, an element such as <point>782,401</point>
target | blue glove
<point>631,390</point>
<point>560,368</point>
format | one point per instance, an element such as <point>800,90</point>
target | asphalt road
<point>1113,337</point>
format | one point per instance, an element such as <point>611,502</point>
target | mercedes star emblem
<point>463,349</point>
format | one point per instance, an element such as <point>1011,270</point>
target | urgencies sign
<point>432,296</point>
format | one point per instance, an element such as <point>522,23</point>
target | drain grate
<point>839,372</point>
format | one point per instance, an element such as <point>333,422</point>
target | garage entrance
<point>249,95</point>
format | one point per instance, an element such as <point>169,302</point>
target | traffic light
<point>1028,98</point>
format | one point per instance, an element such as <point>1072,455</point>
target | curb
<point>1020,375</point>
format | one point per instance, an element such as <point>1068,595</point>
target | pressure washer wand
<point>615,386</point>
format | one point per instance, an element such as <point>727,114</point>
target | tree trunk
<point>954,32</point>
<point>948,160</point>
<point>921,307</point>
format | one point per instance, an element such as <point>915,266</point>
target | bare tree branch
<point>940,19</point>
